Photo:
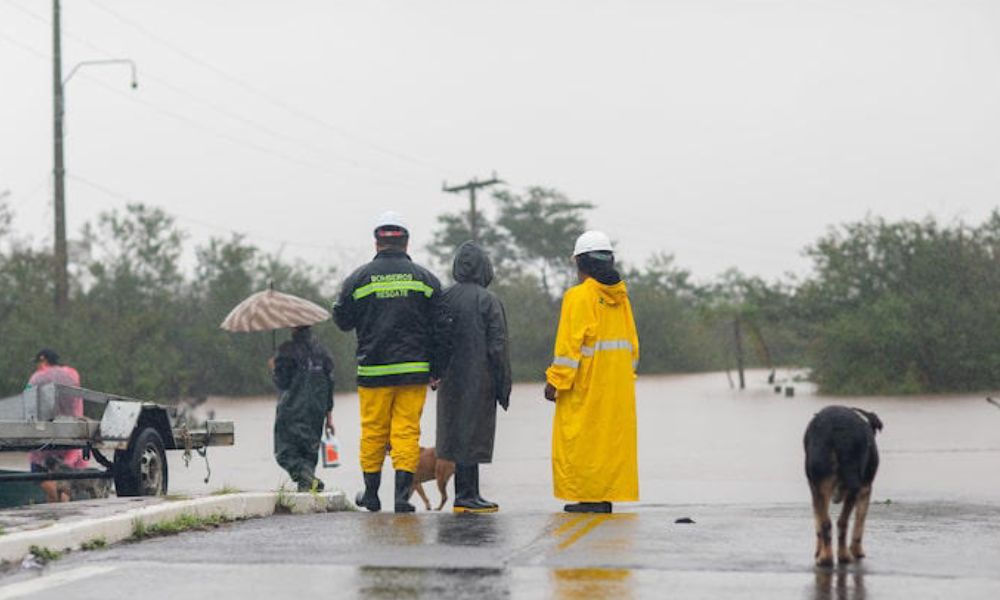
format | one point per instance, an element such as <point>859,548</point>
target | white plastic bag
<point>329,451</point>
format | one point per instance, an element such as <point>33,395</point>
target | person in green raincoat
<point>303,374</point>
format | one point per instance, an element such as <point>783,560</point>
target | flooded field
<point>700,442</point>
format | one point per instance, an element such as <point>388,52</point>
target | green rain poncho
<point>303,374</point>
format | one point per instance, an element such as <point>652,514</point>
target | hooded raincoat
<point>594,457</point>
<point>303,374</point>
<point>478,375</point>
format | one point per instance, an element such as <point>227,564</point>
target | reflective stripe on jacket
<point>394,304</point>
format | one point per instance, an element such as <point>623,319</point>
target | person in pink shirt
<point>49,370</point>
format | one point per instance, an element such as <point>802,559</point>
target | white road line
<point>40,584</point>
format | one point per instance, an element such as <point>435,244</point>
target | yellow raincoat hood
<point>609,294</point>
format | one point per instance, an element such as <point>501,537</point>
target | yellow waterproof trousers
<point>390,416</point>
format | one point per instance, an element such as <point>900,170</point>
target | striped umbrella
<point>270,310</point>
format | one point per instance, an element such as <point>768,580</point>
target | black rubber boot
<point>307,482</point>
<point>404,487</point>
<point>369,498</point>
<point>493,506</point>
<point>588,507</point>
<point>466,477</point>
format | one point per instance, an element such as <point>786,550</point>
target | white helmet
<point>592,241</point>
<point>391,218</point>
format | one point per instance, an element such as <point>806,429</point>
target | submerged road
<point>924,550</point>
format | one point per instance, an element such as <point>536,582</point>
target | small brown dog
<point>430,467</point>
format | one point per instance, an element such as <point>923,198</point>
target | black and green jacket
<point>395,306</point>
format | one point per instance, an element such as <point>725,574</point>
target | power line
<point>202,127</point>
<point>25,47</point>
<point>273,100</point>
<point>215,107</point>
<point>206,224</point>
<point>169,113</point>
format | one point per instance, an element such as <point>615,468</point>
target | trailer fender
<point>123,419</point>
<point>118,423</point>
<point>155,416</point>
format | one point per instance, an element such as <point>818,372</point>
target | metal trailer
<point>128,437</point>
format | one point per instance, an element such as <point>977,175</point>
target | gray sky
<point>729,133</point>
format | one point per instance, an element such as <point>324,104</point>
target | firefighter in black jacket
<point>394,304</point>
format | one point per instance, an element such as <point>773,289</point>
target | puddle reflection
<point>469,530</point>
<point>401,529</point>
<point>585,584</point>
<point>839,584</point>
<point>416,583</point>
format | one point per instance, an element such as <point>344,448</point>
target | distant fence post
<point>738,338</point>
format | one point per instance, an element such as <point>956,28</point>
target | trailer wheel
<point>141,469</point>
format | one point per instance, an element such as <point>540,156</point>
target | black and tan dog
<point>841,462</point>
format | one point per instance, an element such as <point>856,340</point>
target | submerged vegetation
<point>890,307</point>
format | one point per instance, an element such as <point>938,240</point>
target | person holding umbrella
<point>592,382</point>
<point>302,370</point>
<point>394,305</point>
<point>303,374</point>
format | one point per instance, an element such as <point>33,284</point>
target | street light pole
<point>61,253</point>
<point>59,170</point>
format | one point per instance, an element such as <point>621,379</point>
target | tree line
<point>890,307</point>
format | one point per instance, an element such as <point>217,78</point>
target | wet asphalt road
<point>923,550</point>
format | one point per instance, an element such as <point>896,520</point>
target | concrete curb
<point>119,527</point>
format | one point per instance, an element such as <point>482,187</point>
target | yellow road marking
<point>587,528</point>
<point>569,524</point>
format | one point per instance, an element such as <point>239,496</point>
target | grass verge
<point>94,544</point>
<point>45,555</point>
<point>283,501</point>
<point>184,522</point>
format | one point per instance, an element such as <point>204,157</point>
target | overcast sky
<point>728,133</point>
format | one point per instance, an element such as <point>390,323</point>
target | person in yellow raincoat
<point>592,382</point>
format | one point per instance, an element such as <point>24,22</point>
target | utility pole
<point>61,254</point>
<point>473,185</point>
<point>738,338</point>
<point>59,171</point>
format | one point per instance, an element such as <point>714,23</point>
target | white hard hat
<point>391,218</point>
<point>592,241</point>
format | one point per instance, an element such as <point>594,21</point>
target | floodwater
<point>699,442</point>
